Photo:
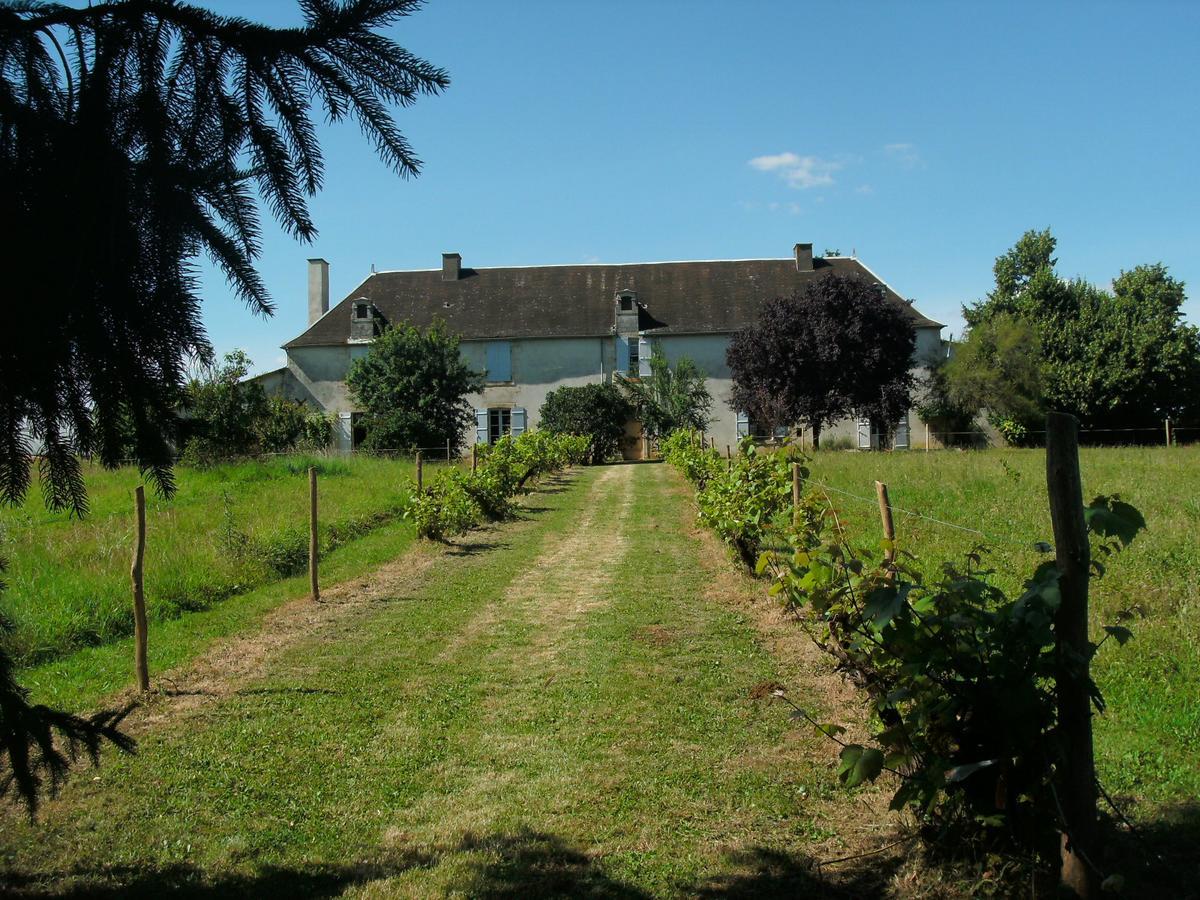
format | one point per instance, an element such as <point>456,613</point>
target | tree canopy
<point>229,416</point>
<point>595,411</point>
<point>412,387</point>
<point>135,136</point>
<point>815,357</point>
<point>670,398</point>
<point>1116,359</point>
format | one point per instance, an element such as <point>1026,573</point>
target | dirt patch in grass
<point>656,635</point>
<point>766,689</point>
<point>573,578</point>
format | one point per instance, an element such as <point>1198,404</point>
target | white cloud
<point>864,189</point>
<point>800,172</point>
<point>904,153</point>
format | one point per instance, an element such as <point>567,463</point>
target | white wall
<point>542,364</point>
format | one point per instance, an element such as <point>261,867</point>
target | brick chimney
<point>451,266</point>
<point>318,289</point>
<point>804,259</point>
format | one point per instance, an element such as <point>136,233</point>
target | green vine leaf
<point>859,764</point>
<point>1112,517</point>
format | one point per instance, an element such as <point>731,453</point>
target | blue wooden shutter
<point>481,426</point>
<point>901,440</point>
<point>622,355</point>
<point>643,357</point>
<point>499,361</point>
<point>518,421</point>
<point>743,425</point>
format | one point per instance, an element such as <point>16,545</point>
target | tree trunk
<point>816,435</point>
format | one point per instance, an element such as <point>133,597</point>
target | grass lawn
<point>1148,742</point>
<point>555,706</point>
<point>229,529</point>
<point>563,705</point>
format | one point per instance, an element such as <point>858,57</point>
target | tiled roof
<point>577,300</point>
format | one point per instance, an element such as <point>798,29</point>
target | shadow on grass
<point>473,548</point>
<point>1162,857</point>
<point>180,880</point>
<point>524,863</point>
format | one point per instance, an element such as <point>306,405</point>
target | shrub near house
<point>412,387</point>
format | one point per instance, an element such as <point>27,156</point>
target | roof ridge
<point>657,262</point>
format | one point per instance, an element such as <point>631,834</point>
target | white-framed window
<point>499,423</point>
<point>634,369</point>
<point>747,427</point>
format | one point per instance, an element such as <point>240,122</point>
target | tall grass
<point>1150,738</point>
<point>228,529</point>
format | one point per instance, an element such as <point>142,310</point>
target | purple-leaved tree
<point>836,348</point>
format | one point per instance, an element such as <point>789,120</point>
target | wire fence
<point>440,453</point>
<point>873,502</point>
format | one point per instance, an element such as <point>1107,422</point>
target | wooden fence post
<point>796,494</point>
<point>728,452</point>
<point>312,534</point>
<point>1077,780</point>
<point>926,437</point>
<point>474,459</point>
<point>889,528</point>
<point>1167,426</point>
<point>447,451</point>
<point>141,667</point>
<point>420,474</point>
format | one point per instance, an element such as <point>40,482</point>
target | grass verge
<point>1147,742</point>
<point>229,529</point>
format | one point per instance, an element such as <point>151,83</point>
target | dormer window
<point>627,301</point>
<point>362,310</point>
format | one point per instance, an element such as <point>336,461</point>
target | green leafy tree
<point>412,387</point>
<point>140,135</point>
<point>670,398</point>
<point>1115,359</point>
<point>290,425</point>
<point>224,411</point>
<point>227,416</point>
<point>951,419</point>
<point>998,368</point>
<point>598,412</point>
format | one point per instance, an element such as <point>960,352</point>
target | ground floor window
<point>499,424</point>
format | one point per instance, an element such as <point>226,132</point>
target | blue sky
<point>925,137</point>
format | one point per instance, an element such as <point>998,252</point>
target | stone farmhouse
<point>536,328</point>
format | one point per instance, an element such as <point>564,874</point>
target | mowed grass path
<point>556,706</point>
